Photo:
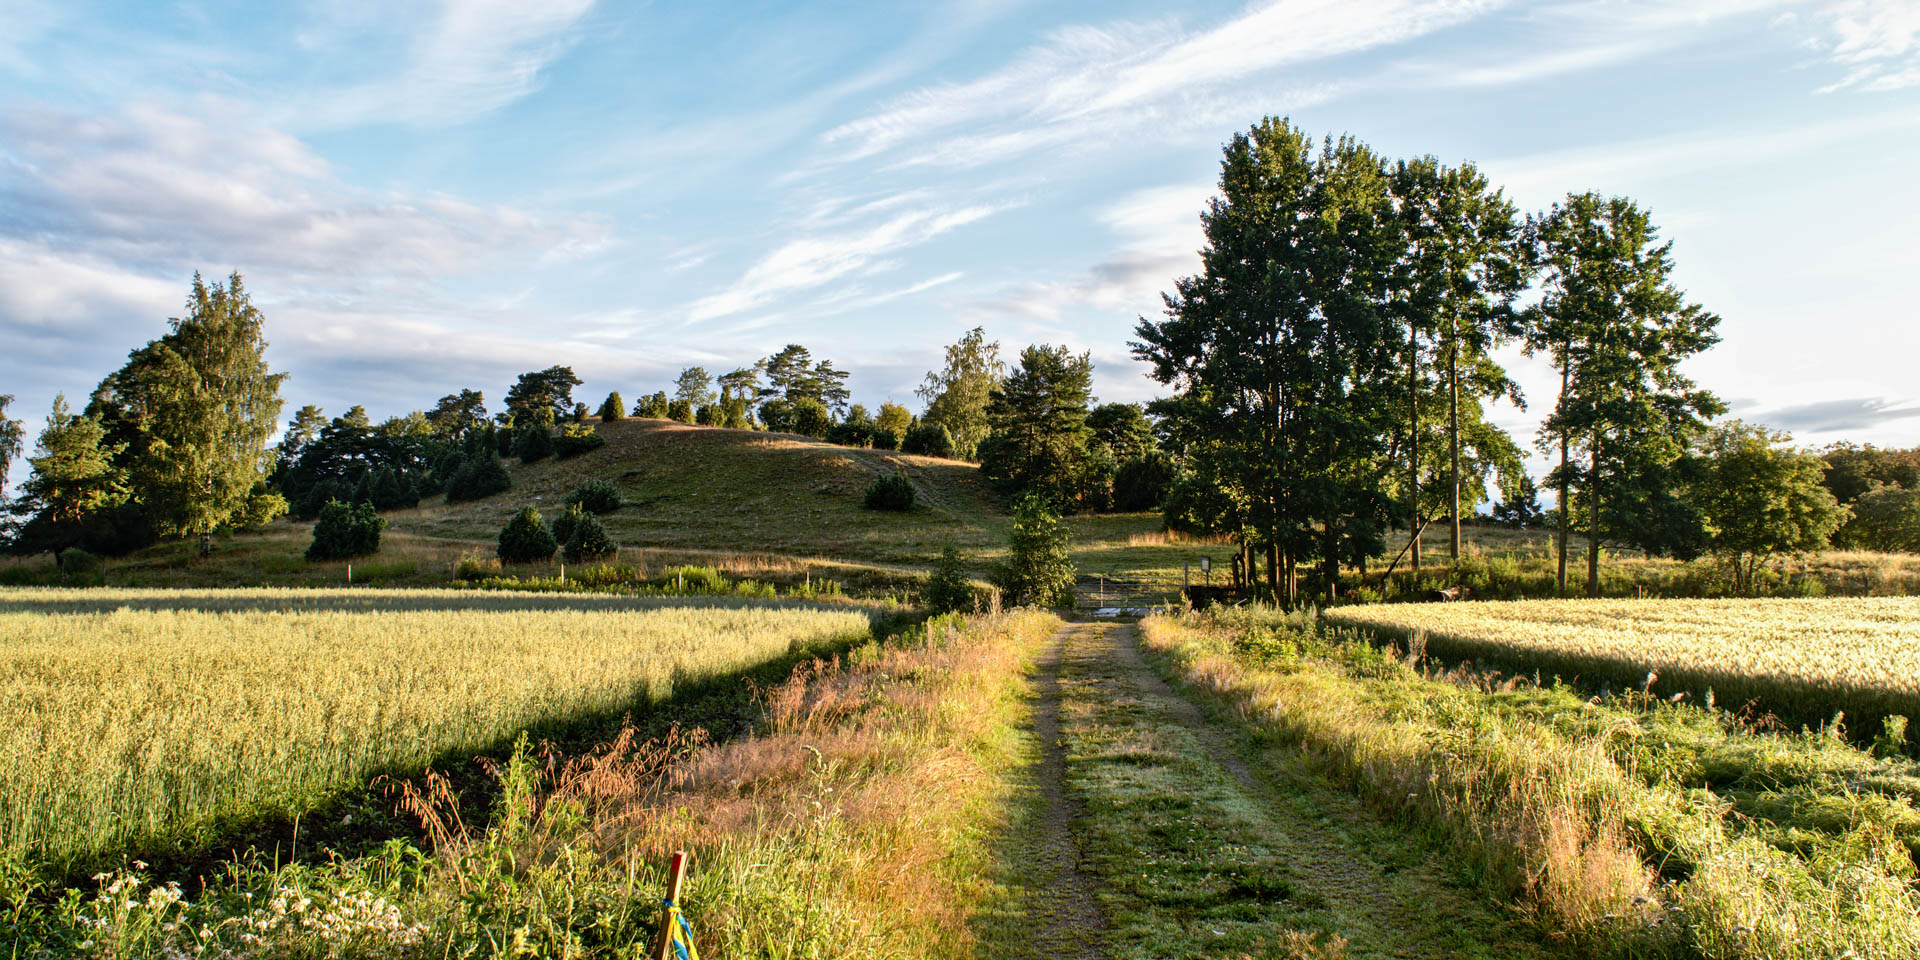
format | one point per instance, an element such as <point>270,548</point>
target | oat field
<point>130,716</point>
<point>1802,659</point>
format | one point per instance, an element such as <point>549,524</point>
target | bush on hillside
<point>576,439</point>
<point>889,491</point>
<point>564,523</point>
<point>654,406</point>
<point>526,539</point>
<point>480,477</point>
<point>74,561</point>
<point>346,531</point>
<point>323,493</point>
<point>885,439</point>
<point>503,442</point>
<point>948,589</point>
<point>928,440</point>
<point>596,496</point>
<point>613,408</point>
<point>532,443</point>
<point>709,415</point>
<point>680,410</point>
<point>1039,570</point>
<point>851,433</point>
<point>810,417</point>
<point>589,540</point>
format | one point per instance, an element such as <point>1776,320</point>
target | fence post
<point>675,873</point>
<point>349,574</point>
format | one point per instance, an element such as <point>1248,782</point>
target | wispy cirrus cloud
<point>1088,84</point>
<point>1877,40</point>
<point>810,262</point>
<point>472,58</point>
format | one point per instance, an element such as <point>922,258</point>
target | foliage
<point>1122,428</point>
<point>563,524</point>
<point>74,476</point>
<point>576,439</point>
<point>256,703</point>
<point>680,410</point>
<point>346,530</point>
<point>533,442</point>
<point>957,394</point>
<point>855,430</point>
<point>589,540</point>
<point>526,539</point>
<point>694,387</point>
<point>1039,419</point>
<point>793,376</point>
<point>1038,570</point>
<point>1616,326</point>
<point>1884,517</point>
<point>194,410</point>
<point>889,491</point>
<point>542,397</point>
<point>949,589</point>
<point>1142,482</point>
<point>12,435</point>
<point>890,425</point>
<point>596,496</point>
<point>74,562</point>
<point>656,406</point>
<point>613,408</point>
<point>1521,508</point>
<point>1760,499</point>
<point>1853,470</point>
<point>456,415</point>
<point>928,440</point>
<point>479,477</point>
<point>809,418</point>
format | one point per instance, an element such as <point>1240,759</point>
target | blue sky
<point>430,197</point>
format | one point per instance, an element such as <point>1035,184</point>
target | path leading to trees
<point>1164,833</point>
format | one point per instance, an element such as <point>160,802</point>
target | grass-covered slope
<point>716,489</point>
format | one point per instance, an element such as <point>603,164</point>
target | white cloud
<point>475,57</point>
<point>814,261</point>
<point>1088,86</point>
<point>1878,40</point>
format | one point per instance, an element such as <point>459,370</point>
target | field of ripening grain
<point>129,715</point>
<point>1803,659</point>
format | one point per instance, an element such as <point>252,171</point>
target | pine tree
<point>613,408</point>
<point>526,539</point>
<point>1039,420</point>
<point>74,476</point>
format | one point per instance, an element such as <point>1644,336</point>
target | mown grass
<point>156,720</point>
<point>1623,827</point>
<point>853,822</point>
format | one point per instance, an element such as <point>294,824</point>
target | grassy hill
<point>710,488</point>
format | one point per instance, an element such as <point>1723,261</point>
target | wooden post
<point>663,949</point>
<point>349,574</point>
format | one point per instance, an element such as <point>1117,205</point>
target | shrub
<point>1141,482</point>
<point>576,439</point>
<point>476,567</point>
<point>614,408</point>
<point>655,406</point>
<point>850,433</point>
<point>589,540</point>
<point>810,417</point>
<point>77,562</point>
<point>885,439</point>
<point>345,531</point>
<point>709,415</point>
<point>480,477</point>
<point>928,440</point>
<point>696,579</point>
<point>596,496</point>
<point>322,493</point>
<point>1038,571</point>
<point>526,538</point>
<point>890,491</point>
<point>680,410</point>
<point>386,492</point>
<point>564,523</point>
<point>503,442</point>
<point>948,589</point>
<point>532,443</point>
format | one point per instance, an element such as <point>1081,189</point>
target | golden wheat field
<point>1800,658</point>
<point>130,715</point>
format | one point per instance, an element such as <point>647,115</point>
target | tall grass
<point>132,718</point>
<point>1547,806</point>
<point>850,824</point>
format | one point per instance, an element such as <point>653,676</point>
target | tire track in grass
<point>1197,853</point>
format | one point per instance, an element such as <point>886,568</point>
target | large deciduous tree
<point>1281,352</point>
<point>195,409</point>
<point>1762,498</point>
<point>1617,329</point>
<point>956,395</point>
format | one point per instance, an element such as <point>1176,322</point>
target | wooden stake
<point>677,871</point>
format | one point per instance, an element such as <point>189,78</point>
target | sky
<point>425,197</point>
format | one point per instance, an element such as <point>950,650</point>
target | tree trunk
<point>1413,447</point>
<point>1453,430</point>
<point>1566,506</point>
<point>1273,570</point>
<point>1593,523</point>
